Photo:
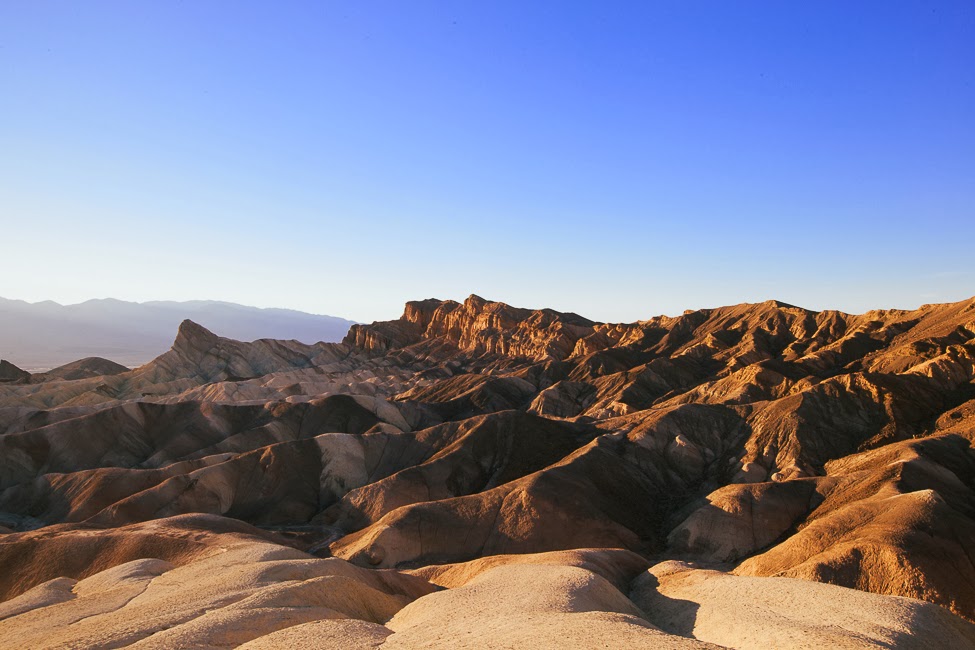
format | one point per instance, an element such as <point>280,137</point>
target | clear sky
<point>616,159</point>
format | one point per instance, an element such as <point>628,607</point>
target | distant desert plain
<point>475,475</point>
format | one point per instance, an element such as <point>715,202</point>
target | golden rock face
<point>753,458</point>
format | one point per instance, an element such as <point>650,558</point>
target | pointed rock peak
<point>193,336</point>
<point>10,372</point>
<point>474,302</point>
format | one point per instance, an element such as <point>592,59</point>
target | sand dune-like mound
<point>617,566</point>
<point>756,613</point>
<point>77,551</point>
<point>529,605</point>
<point>237,592</point>
<point>81,369</point>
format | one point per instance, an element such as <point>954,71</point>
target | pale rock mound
<point>238,592</point>
<point>529,606</point>
<point>761,613</point>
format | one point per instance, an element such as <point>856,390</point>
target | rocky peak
<point>193,337</point>
<point>477,326</point>
<point>11,373</point>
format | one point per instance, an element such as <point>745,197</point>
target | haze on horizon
<point>617,161</point>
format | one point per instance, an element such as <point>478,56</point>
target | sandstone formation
<point>478,475</point>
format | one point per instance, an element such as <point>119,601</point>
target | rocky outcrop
<point>478,327</point>
<point>199,353</point>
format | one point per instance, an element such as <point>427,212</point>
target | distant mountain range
<point>42,335</point>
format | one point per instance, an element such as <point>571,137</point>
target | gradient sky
<point>620,160</point>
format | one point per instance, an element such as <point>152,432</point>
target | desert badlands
<point>475,475</point>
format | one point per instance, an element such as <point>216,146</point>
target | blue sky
<point>620,160</point>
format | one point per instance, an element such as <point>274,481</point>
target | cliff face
<point>930,340</point>
<point>478,327</point>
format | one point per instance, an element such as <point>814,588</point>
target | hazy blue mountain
<point>46,334</point>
